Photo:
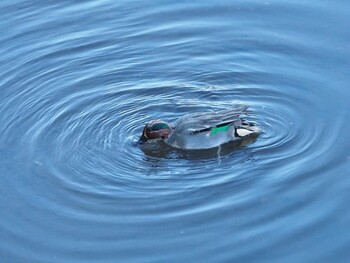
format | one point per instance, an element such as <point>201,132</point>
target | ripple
<point>87,137</point>
<point>90,137</point>
<point>78,83</point>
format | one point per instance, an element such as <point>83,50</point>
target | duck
<point>203,130</point>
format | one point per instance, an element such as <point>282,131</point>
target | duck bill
<point>143,137</point>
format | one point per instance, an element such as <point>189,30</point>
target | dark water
<point>79,79</point>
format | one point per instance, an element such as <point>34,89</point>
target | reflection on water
<point>78,82</point>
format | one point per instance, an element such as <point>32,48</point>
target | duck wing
<point>200,122</point>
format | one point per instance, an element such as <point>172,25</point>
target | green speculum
<point>219,129</point>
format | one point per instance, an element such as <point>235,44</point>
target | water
<point>79,80</point>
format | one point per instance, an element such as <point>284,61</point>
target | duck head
<point>156,129</point>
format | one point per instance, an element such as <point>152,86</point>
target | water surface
<point>79,80</point>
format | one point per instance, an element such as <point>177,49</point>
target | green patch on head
<point>219,129</point>
<point>159,126</point>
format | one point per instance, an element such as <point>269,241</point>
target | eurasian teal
<point>202,130</point>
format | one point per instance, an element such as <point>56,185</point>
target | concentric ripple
<point>82,125</point>
<point>88,137</point>
<point>78,81</point>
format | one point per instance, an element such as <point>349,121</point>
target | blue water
<point>78,80</point>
